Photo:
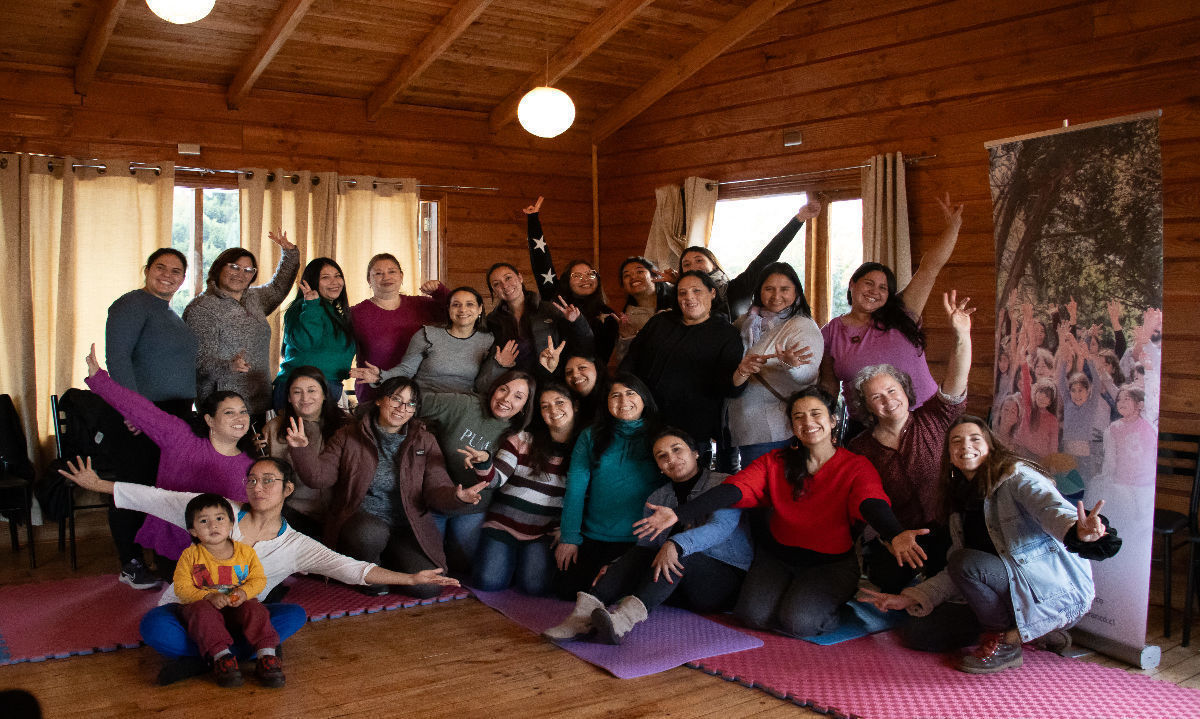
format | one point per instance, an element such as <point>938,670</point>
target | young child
<point>216,581</point>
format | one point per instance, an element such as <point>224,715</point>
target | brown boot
<point>992,655</point>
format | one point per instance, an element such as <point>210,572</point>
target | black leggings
<point>370,539</point>
<point>796,600</point>
<point>707,585</point>
<point>593,555</point>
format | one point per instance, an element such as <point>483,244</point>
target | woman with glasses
<point>582,287</point>
<point>230,320</point>
<point>386,473</point>
<point>212,461</point>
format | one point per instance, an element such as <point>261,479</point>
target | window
<point>845,249</point>
<point>742,227</point>
<point>216,212</point>
<point>429,248</point>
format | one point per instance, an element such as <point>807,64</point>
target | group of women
<point>499,448</point>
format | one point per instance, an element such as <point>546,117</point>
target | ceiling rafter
<point>441,37</point>
<point>265,50</point>
<point>585,43</point>
<point>98,36</point>
<point>688,64</point>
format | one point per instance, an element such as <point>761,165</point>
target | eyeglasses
<point>235,266</point>
<point>411,406</point>
<point>591,275</point>
<point>266,481</point>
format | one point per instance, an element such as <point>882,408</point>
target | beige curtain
<point>75,240</point>
<point>374,216</point>
<point>668,229</point>
<point>885,215</point>
<point>700,203</point>
<point>302,204</point>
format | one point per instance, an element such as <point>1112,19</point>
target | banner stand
<point>1148,658</point>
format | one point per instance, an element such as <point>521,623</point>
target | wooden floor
<point>458,659</point>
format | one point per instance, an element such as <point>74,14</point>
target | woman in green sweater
<point>317,330</point>
<point>612,472</point>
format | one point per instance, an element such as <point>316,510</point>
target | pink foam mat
<point>329,600</point>
<point>874,677</point>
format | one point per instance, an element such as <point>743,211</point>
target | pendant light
<point>181,12</point>
<point>546,111</point>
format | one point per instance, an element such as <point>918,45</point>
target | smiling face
<point>869,293</point>
<point>581,375</point>
<point>464,309</point>
<point>583,280</point>
<point>331,283</point>
<point>695,300</point>
<point>236,276</point>
<point>165,276</point>
<point>886,398</point>
<point>1042,399</point>
<point>509,399</point>
<point>212,526</point>
<point>231,421</point>
<point>306,395</point>
<point>636,279</point>
<point>507,284</point>
<point>1079,393</point>
<point>778,293</point>
<point>385,278</point>
<point>696,261</point>
<point>811,422</point>
<point>1010,415</point>
<point>625,403</point>
<point>396,409</point>
<point>1128,406</point>
<point>558,410</point>
<point>676,460</point>
<point>968,448</point>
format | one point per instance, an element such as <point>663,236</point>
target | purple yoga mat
<point>669,638</point>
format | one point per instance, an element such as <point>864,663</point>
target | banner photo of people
<point>1079,260</point>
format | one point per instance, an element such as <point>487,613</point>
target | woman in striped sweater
<point>530,471</point>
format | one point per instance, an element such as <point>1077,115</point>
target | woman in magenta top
<point>217,462</point>
<point>883,325</point>
<point>385,323</point>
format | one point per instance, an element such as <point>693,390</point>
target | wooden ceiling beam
<point>691,62</point>
<point>585,43</point>
<point>265,50</point>
<point>441,37</point>
<point>107,13</point>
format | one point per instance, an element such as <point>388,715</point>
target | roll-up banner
<point>1079,275</point>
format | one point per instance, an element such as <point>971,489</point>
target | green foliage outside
<point>222,230</point>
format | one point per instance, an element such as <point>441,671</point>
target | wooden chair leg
<point>62,534</point>
<point>71,531</point>
<point>1167,584</point>
<point>13,538</point>
<point>1191,595</point>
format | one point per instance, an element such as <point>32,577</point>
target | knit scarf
<point>760,320</point>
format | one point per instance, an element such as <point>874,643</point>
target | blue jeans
<point>498,561</point>
<point>751,452</point>
<point>163,631</point>
<point>460,537</point>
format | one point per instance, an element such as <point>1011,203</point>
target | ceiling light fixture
<point>181,12</point>
<point>545,111</point>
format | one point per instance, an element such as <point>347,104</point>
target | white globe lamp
<point>181,12</point>
<point>546,112</point>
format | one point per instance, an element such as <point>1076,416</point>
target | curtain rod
<point>136,166</point>
<point>715,185</point>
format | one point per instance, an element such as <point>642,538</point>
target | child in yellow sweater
<point>217,580</point>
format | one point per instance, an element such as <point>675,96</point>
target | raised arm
<point>272,294</point>
<point>161,427</point>
<point>959,314</point>
<point>741,288</point>
<point>548,281</point>
<point>917,292</point>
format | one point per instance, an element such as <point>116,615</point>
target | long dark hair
<point>166,251</point>
<point>892,315</point>
<point>702,251</point>
<point>479,321</point>
<point>956,489</point>
<point>605,424</point>
<point>590,305</point>
<point>541,443</point>
<point>207,407</point>
<point>338,310</point>
<point>488,277</point>
<point>332,417</point>
<point>519,421</point>
<point>795,455</point>
<point>800,306</point>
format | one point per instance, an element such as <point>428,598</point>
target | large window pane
<point>183,234</point>
<point>845,251</point>
<point>222,228</point>
<point>742,227</point>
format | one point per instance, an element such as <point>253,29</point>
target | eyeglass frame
<point>236,266</point>
<point>266,481</point>
<point>589,275</point>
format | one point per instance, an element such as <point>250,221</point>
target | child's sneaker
<point>270,671</point>
<point>135,574</point>
<point>226,671</point>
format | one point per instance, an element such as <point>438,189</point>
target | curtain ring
<point>270,177</point>
<point>249,175</point>
<point>295,179</point>
<point>315,181</point>
<point>3,163</point>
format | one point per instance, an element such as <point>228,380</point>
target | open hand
<point>506,356</point>
<point>433,576</point>
<point>368,374</point>
<point>905,549</point>
<point>565,555</point>
<point>667,562</point>
<point>793,357</point>
<point>885,602</point>
<point>81,473</point>
<point>281,239</point>
<point>958,312</point>
<point>660,520</point>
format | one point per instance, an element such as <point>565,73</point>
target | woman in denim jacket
<point>1019,557</point>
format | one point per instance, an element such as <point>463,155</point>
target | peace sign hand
<point>569,311</point>
<point>470,495</point>
<point>550,356</point>
<point>307,292</point>
<point>1089,527</point>
<point>296,438</point>
<point>472,456</point>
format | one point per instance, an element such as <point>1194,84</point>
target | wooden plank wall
<point>860,77</point>
<point>140,121</point>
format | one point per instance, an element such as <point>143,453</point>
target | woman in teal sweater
<point>317,330</point>
<point>612,472</point>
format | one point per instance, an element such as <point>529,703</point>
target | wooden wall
<point>860,77</point>
<point>39,112</point>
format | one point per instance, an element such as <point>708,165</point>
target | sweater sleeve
<point>312,557</point>
<point>204,321</point>
<point>716,530</point>
<point>162,428</point>
<point>578,477</point>
<point>413,357</point>
<point>185,588</point>
<point>309,328</point>
<point>320,469</point>
<point>741,288</point>
<point>539,259</point>
<point>125,323</point>
<point>272,294</point>
<point>165,504</point>
<point>719,497</point>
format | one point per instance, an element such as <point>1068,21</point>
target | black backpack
<point>14,453</point>
<point>86,427</point>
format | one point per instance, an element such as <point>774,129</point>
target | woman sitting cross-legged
<point>281,550</point>
<point>387,473</point>
<point>529,472</point>
<point>1032,585</point>
<point>700,567</point>
<point>814,492</point>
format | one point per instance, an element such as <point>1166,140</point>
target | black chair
<point>1193,526</point>
<point>77,499</point>
<point>16,477</point>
